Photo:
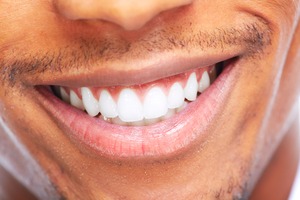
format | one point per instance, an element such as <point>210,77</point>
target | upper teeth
<point>204,83</point>
<point>157,103</point>
<point>130,108</point>
<point>107,105</point>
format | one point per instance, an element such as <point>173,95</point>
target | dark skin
<point>283,166</point>
<point>252,142</point>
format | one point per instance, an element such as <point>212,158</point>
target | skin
<point>241,153</point>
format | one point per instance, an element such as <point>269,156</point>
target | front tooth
<point>64,95</point>
<point>130,108</point>
<point>190,90</point>
<point>155,103</point>
<point>204,82</point>
<point>107,105</point>
<point>89,102</point>
<point>75,100</point>
<point>176,96</point>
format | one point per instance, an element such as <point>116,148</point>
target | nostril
<point>130,15</point>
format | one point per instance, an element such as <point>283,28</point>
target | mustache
<point>85,51</point>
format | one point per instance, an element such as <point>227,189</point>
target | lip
<point>164,138</point>
<point>136,72</point>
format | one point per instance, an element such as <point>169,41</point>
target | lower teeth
<point>145,122</point>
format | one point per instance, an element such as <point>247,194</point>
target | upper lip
<point>124,74</point>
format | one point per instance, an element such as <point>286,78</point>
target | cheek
<point>287,93</point>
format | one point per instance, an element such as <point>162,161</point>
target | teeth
<point>107,105</point>
<point>176,96</point>
<point>155,103</point>
<point>130,111</point>
<point>75,100</point>
<point>89,102</point>
<point>64,95</point>
<point>204,83</point>
<point>130,108</point>
<point>190,90</point>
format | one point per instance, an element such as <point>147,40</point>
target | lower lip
<point>167,137</point>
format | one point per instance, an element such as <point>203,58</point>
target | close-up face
<point>185,99</point>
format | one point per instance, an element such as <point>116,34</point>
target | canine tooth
<point>130,108</point>
<point>190,90</point>
<point>204,82</point>
<point>75,100</point>
<point>89,102</point>
<point>64,95</point>
<point>176,96</point>
<point>155,103</point>
<point>107,105</point>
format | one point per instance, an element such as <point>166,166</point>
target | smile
<point>156,118</point>
<point>141,105</point>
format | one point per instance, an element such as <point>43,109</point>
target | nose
<point>130,14</point>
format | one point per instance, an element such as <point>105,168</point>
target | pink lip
<point>164,138</point>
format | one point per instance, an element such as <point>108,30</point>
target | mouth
<point>157,118</point>
<point>141,105</point>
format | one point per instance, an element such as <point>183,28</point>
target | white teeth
<point>190,90</point>
<point>107,105</point>
<point>130,108</point>
<point>204,83</point>
<point>176,96</point>
<point>64,95</point>
<point>89,102</point>
<point>75,100</point>
<point>155,103</point>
